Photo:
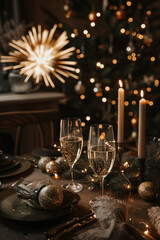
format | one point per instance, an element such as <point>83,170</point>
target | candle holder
<point>142,168</point>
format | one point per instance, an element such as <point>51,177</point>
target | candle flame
<point>120,83</point>
<point>142,93</point>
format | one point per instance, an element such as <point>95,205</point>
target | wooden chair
<point>43,122</point>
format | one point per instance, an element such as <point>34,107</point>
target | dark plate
<point>5,160</point>
<point>20,168</point>
<point>14,208</point>
<point>14,163</point>
<point>51,152</point>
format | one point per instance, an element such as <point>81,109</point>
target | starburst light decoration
<point>39,56</point>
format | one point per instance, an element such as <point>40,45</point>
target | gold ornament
<point>146,191</point>
<point>38,55</point>
<point>51,167</point>
<point>42,163</point>
<point>50,197</point>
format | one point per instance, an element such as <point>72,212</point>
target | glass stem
<point>102,186</point>
<point>72,176</point>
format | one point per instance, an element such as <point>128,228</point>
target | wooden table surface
<point>15,230</point>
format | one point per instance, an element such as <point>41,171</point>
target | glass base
<point>75,187</point>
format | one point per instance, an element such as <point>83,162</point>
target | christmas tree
<point>117,40</point>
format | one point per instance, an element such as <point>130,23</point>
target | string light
<point>148,12</point>
<point>113,102</point>
<point>92,24</point>
<point>156,83</point>
<point>114,61</point>
<point>126,103</point>
<point>107,88</point>
<point>88,35</point>
<point>143,26</point>
<point>104,99</point>
<point>130,114</point>
<point>77,70</point>
<point>130,19</point>
<point>122,30</point>
<point>73,35</point>
<point>135,92</point>
<point>92,80</point>
<point>88,118</point>
<point>148,89</point>
<point>133,102</point>
<point>152,59</point>
<point>98,14</point>
<point>78,50</point>
<point>83,124</point>
<point>82,97</point>
<point>85,32</point>
<point>151,103</point>
<point>128,3</point>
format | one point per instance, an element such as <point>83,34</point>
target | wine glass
<point>71,141</point>
<point>101,150</point>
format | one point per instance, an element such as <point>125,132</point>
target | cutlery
<point>69,226</point>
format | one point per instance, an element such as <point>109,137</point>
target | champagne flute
<point>71,141</point>
<point>101,150</point>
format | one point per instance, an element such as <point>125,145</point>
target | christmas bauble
<point>42,163</point>
<point>52,167</point>
<point>79,88</point>
<point>50,197</point>
<point>146,191</point>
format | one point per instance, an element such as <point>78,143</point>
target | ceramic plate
<point>14,208</point>
<point>20,168</point>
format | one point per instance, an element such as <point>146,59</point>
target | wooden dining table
<point>34,230</point>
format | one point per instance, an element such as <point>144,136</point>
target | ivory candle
<point>141,126</point>
<point>120,131</point>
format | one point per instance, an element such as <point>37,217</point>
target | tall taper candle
<point>141,126</point>
<point>120,132</point>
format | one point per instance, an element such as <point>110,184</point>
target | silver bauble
<point>79,88</point>
<point>146,190</point>
<point>50,197</point>
<point>42,163</point>
<point>52,167</point>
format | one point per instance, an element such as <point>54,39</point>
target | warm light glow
<point>156,83</point>
<point>143,25</point>
<point>130,19</point>
<point>107,88</point>
<point>92,24</point>
<point>120,83</point>
<point>128,3</point>
<point>88,118</point>
<point>152,59</point>
<point>130,114</point>
<point>98,14</point>
<point>82,97</point>
<point>151,103</point>
<point>83,124</point>
<point>149,89</point>
<point>122,30</point>
<point>133,121</point>
<point>104,99</point>
<point>126,103</point>
<point>133,102</point>
<point>148,12</point>
<point>142,93</point>
<point>98,64</point>
<point>113,102</point>
<point>73,35</point>
<point>38,55</point>
<point>88,35</point>
<point>85,31</point>
<point>135,92</point>
<point>114,61</point>
<point>92,80</point>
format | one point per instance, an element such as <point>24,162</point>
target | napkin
<point>111,214</point>
<point>154,215</point>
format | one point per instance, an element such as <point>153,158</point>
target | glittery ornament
<point>50,197</point>
<point>146,191</point>
<point>51,167</point>
<point>60,160</point>
<point>42,163</point>
<point>79,88</point>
